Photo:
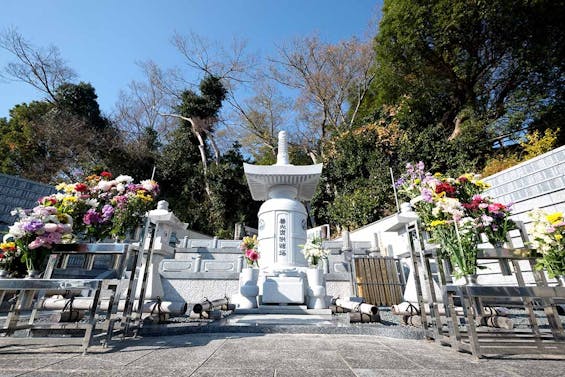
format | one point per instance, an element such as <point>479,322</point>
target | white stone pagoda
<point>282,224</point>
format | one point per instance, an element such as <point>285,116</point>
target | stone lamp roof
<point>261,178</point>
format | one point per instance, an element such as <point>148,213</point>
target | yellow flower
<point>417,181</point>
<point>143,196</point>
<point>482,184</point>
<point>8,246</point>
<point>70,199</point>
<point>438,175</point>
<point>558,237</point>
<point>555,218</point>
<point>435,223</point>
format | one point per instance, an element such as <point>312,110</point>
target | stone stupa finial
<point>282,155</point>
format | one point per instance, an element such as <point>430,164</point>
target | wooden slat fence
<point>378,280</point>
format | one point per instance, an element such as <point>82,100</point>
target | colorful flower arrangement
<point>96,209</point>
<point>548,233</point>
<point>103,207</point>
<point>249,246</point>
<point>314,252</point>
<point>36,231</point>
<point>454,212</point>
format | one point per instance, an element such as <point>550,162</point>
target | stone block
<point>283,290</point>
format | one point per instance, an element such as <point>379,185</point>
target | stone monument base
<point>283,290</point>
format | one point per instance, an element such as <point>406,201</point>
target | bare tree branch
<point>43,69</point>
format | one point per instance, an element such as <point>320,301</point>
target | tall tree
<point>485,69</point>
<point>355,186</point>
<point>200,111</point>
<point>332,80</point>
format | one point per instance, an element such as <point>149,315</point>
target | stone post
<point>166,223</point>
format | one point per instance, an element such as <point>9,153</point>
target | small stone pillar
<point>166,223</point>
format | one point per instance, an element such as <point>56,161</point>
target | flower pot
<point>248,288</point>
<point>316,291</point>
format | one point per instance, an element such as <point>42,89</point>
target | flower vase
<point>316,292</point>
<point>561,280</point>
<point>4,274</point>
<point>248,288</point>
<point>33,274</point>
<point>471,279</point>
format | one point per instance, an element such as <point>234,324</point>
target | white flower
<point>16,230</point>
<point>92,202</point>
<point>124,179</point>
<point>105,185</point>
<point>148,185</point>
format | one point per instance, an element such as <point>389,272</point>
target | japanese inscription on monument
<point>282,221</point>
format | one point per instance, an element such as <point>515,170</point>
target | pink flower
<point>36,243</point>
<point>50,227</point>
<point>251,254</point>
<point>496,207</point>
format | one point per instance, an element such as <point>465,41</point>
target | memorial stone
<point>282,224</point>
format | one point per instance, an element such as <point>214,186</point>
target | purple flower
<point>420,166</point>
<point>107,212</point>
<point>427,195</point>
<point>91,217</point>
<point>33,226</point>
<point>399,183</point>
<point>44,210</point>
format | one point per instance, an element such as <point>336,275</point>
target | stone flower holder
<point>316,291</point>
<point>248,288</point>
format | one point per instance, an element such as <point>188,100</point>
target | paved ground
<point>251,355</point>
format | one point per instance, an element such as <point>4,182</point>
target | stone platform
<point>314,322</point>
<point>261,355</point>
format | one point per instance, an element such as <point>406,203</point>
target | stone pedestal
<point>165,224</point>
<point>283,290</point>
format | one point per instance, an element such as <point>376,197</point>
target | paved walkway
<point>249,355</point>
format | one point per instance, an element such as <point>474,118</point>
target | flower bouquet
<point>548,233</point>
<point>453,211</point>
<point>249,247</point>
<point>103,207</point>
<point>36,231</point>
<point>313,251</point>
<point>492,218</point>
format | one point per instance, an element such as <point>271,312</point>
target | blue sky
<point>102,40</point>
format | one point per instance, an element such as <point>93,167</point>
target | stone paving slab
<point>277,355</point>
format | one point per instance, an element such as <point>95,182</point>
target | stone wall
<point>18,192</point>
<point>536,183</point>
<point>210,269</point>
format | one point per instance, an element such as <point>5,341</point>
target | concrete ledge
<point>275,309</point>
<point>398,332</point>
<point>185,275</point>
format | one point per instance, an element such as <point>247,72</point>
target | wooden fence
<point>378,280</point>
